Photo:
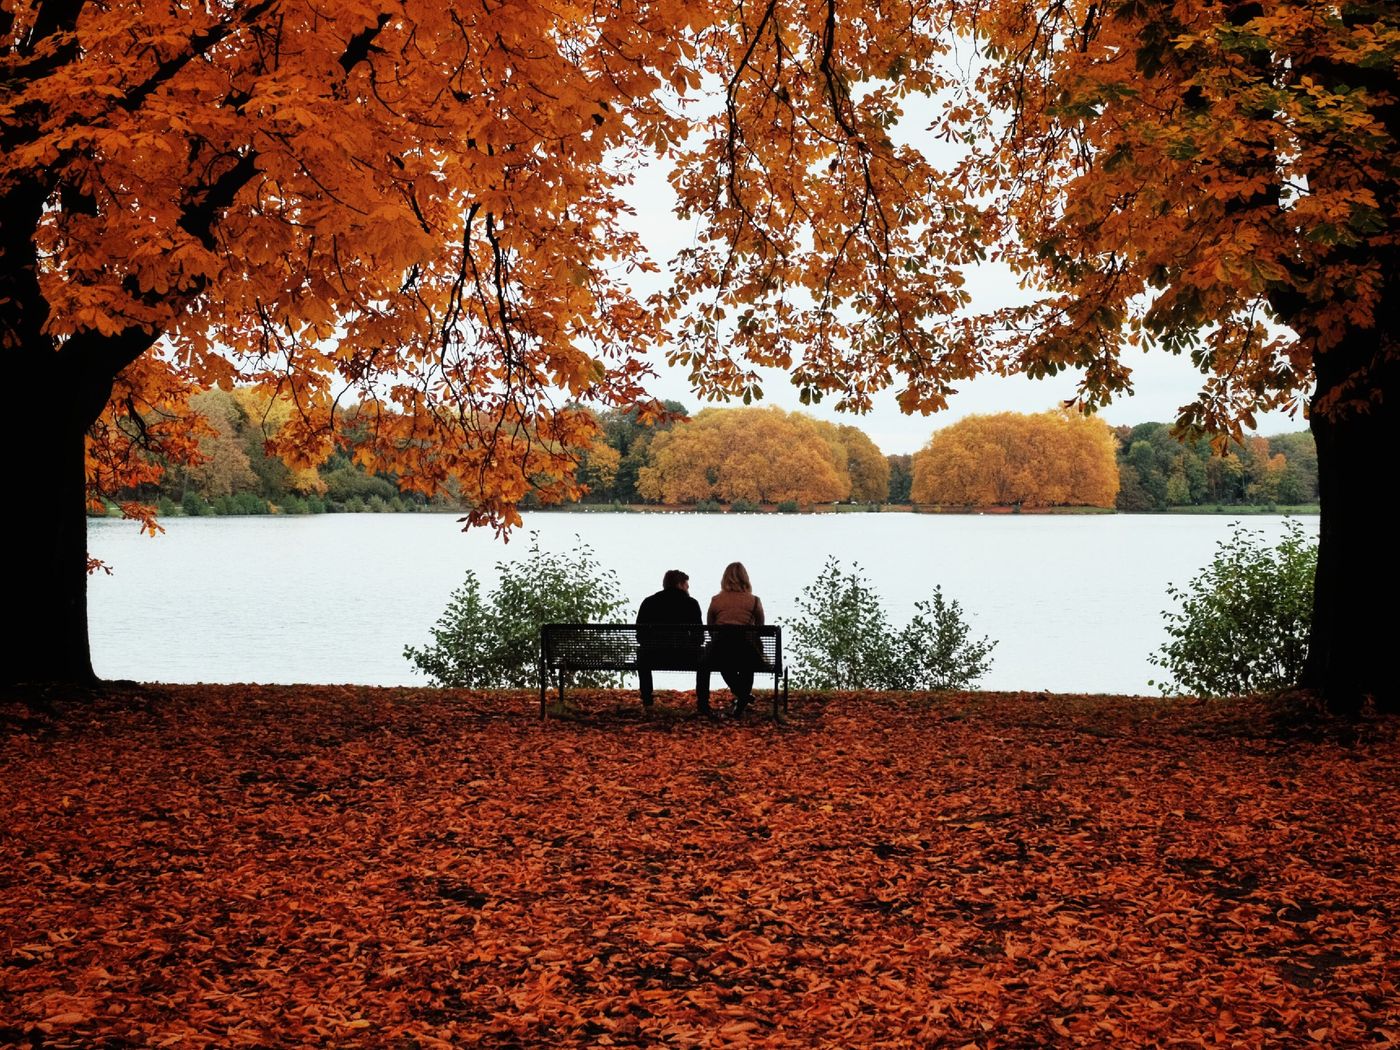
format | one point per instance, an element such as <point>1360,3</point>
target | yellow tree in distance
<point>1049,459</point>
<point>761,455</point>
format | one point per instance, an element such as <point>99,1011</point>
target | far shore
<point>826,508</point>
<point>908,508</point>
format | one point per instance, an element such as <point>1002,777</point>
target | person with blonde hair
<point>735,606</point>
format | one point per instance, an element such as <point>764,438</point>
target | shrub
<point>743,506</point>
<point>494,642</point>
<point>842,639</point>
<point>788,506</point>
<point>934,651</point>
<point>708,506</point>
<point>839,637</point>
<point>293,504</point>
<point>194,505</point>
<point>315,505</point>
<point>347,481</point>
<point>1243,622</point>
<point>249,503</point>
<point>354,505</point>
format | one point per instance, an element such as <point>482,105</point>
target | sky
<point>1162,382</point>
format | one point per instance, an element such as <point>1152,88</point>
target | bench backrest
<point>660,647</point>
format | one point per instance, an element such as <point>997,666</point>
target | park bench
<point>569,648</point>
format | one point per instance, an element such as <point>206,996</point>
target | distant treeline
<point>238,476</point>
<point>747,459</point>
<point>1156,471</point>
<point>1148,468</point>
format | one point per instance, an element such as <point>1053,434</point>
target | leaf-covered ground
<point>277,867</point>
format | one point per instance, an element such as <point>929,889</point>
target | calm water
<point>1075,601</point>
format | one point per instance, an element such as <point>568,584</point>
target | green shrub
<point>1243,622</point>
<point>494,642</point>
<point>355,505</point>
<point>708,506</point>
<point>166,507</point>
<point>347,481</point>
<point>315,505</point>
<point>743,506</point>
<point>842,639</point>
<point>194,505</point>
<point>292,504</point>
<point>840,634</point>
<point>249,503</point>
<point>224,505</point>
<point>377,504</point>
<point>933,651</point>
<point>788,506</point>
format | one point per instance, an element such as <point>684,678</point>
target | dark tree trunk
<point>1356,629</point>
<point>45,428</point>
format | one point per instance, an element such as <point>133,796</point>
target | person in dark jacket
<point>671,606</point>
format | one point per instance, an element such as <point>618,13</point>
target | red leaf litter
<point>350,867</point>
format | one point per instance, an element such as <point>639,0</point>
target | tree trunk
<point>45,428</point>
<point>1355,628</point>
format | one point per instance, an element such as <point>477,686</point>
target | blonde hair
<point>736,578</point>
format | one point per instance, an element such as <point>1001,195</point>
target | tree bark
<point>45,427</point>
<point>1355,627</point>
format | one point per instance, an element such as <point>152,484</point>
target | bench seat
<point>570,647</point>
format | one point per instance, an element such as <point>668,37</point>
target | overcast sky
<point>1162,382</point>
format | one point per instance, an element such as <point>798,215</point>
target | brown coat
<point>735,607</point>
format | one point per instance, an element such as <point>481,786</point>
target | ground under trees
<point>233,866</point>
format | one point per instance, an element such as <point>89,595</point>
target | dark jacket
<point>672,605</point>
<point>659,647</point>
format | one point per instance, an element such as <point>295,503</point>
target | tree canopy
<point>1045,460</point>
<point>419,206</point>
<point>760,455</point>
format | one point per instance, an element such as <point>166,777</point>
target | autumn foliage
<point>420,207</point>
<point>269,867</point>
<point>762,455</point>
<point>1048,460</point>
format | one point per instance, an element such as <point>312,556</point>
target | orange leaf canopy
<point>421,206</point>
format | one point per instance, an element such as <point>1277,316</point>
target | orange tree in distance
<point>761,455</point>
<point>1051,459</point>
<point>416,206</point>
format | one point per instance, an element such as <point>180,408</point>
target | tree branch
<point>199,45</point>
<point>362,43</point>
<point>198,217</point>
<point>52,17</point>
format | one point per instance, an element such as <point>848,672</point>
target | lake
<point>1074,601</point>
